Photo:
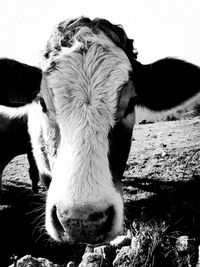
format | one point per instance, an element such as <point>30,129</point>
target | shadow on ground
<point>22,228</point>
<point>177,203</point>
<point>22,216</point>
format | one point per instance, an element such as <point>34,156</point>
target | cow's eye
<point>42,103</point>
<point>130,107</point>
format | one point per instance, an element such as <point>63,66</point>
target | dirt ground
<point>161,183</point>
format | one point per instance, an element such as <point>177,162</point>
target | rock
<point>71,264</point>
<point>182,243</point>
<point>198,263</point>
<point>91,260</point>
<point>101,250</point>
<point>187,251</point>
<point>104,250</point>
<point>108,252</point>
<point>135,244</point>
<point>120,241</point>
<point>129,233</point>
<point>29,261</point>
<point>126,254</point>
<point>89,248</point>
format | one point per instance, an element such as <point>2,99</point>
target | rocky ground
<point>161,188</point>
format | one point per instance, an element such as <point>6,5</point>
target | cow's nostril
<point>96,216</point>
<point>103,215</point>
<point>109,219</point>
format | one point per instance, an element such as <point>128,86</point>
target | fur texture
<point>82,80</point>
<point>81,130</point>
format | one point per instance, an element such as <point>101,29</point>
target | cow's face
<point>81,131</point>
<point>81,126</point>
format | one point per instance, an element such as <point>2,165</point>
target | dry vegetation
<point>161,188</point>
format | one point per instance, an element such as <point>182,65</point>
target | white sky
<point>160,28</point>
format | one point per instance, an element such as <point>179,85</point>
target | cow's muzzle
<point>82,223</point>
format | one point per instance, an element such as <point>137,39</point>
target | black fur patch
<point>165,83</point>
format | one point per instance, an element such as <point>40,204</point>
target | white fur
<point>85,88</point>
<point>11,113</point>
<point>36,122</point>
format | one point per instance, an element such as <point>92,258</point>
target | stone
<point>91,259</point>
<point>71,264</point>
<point>120,241</point>
<point>182,243</point>
<point>29,261</point>
<point>108,252</point>
<point>126,254</point>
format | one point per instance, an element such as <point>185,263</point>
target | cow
<point>20,84</point>
<point>81,122</point>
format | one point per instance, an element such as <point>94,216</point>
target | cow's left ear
<point>165,83</point>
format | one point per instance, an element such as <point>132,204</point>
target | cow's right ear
<point>165,83</point>
<point>20,82</point>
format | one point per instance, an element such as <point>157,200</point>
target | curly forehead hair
<point>65,31</point>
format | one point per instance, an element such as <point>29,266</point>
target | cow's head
<point>81,124</point>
